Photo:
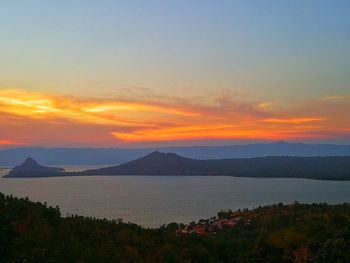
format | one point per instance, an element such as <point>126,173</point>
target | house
<point>199,230</point>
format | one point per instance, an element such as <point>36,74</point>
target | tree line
<point>35,232</point>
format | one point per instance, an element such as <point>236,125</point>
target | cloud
<point>333,98</point>
<point>292,120</point>
<point>9,143</point>
<point>49,119</point>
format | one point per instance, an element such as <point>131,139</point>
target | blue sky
<point>265,47</point>
<point>272,52</point>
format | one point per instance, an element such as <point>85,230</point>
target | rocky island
<point>30,168</point>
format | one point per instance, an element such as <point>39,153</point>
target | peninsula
<point>157,164</point>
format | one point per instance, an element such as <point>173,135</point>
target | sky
<point>148,73</point>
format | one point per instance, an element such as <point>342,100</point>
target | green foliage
<point>33,232</point>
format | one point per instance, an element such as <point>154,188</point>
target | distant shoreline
<point>120,175</point>
<point>171,164</point>
<point>107,156</point>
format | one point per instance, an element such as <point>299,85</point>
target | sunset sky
<point>149,73</point>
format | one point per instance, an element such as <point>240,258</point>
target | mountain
<point>107,156</point>
<point>30,168</point>
<point>157,163</point>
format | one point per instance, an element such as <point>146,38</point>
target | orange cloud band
<point>121,120</point>
<point>9,142</point>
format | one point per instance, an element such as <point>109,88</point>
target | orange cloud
<point>40,118</point>
<point>8,142</point>
<point>292,120</point>
<point>104,112</point>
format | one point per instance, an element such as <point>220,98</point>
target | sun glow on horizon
<point>120,121</point>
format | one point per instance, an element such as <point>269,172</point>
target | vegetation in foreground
<point>33,232</point>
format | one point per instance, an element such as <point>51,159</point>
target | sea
<point>152,201</point>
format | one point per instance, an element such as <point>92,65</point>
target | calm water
<point>152,201</point>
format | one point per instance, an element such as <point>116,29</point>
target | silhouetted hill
<point>107,156</point>
<point>156,163</point>
<point>30,168</point>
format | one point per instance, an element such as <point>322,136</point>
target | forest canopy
<point>34,232</point>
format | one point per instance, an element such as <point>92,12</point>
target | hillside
<point>156,163</point>
<point>30,168</point>
<point>316,233</point>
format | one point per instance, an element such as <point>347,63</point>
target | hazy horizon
<point>201,144</point>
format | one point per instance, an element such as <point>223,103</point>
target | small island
<point>30,168</point>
